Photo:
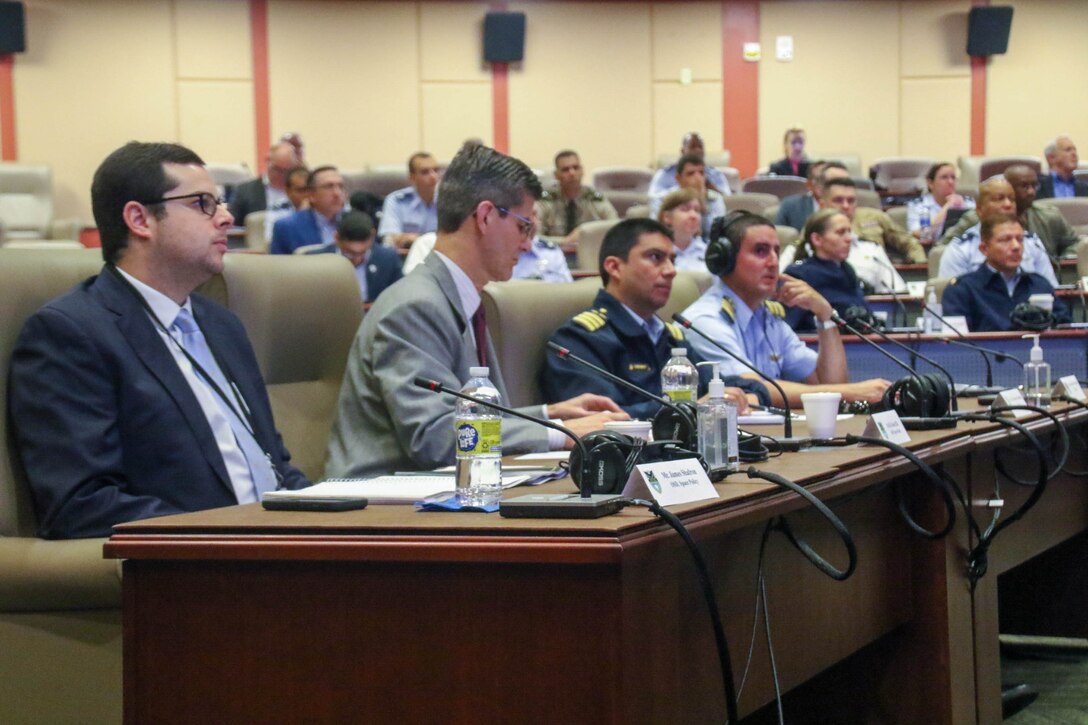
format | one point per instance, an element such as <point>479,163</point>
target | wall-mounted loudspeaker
<point>504,37</point>
<point>988,30</point>
<point>12,28</point>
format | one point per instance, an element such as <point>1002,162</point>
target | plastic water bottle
<point>930,323</point>
<point>477,432</point>
<point>679,377</point>
<point>926,233</point>
<point>1036,376</point>
<point>718,429</point>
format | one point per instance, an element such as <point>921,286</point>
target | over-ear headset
<point>722,248</point>
<point>859,316</point>
<point>924,396</point>
<point>673,426</point>
<point>611,456</point>
<point>1026,316</point>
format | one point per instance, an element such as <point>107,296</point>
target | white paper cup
<point>634,428</point>
<point>1043,301</point>
<point>821,410</point>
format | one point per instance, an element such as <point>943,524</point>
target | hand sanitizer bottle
<point>1036,376</point>
<point>718,429</point>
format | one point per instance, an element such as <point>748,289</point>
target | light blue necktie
<point>260,468</point>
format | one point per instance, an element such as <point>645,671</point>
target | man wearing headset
<point>621,331</point>
<point>744,310</point>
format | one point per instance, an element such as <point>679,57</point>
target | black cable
<point>840,528</point>
<point>944,488</point>
<point>1079,404</point>
<point>703,574</point>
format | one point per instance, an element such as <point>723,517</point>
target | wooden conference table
<point>389,615</point>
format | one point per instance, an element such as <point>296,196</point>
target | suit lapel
<point>134,324</point>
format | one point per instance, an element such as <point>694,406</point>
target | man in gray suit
<point>428,325</point>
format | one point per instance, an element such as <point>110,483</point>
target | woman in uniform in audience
<point>795,162</point>
<point>942,196</point>
<point>682,212</point>
<point>827,237</point>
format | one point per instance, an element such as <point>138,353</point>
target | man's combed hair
<point>622,238</point>
<point>987,226</point>
<point>133,172</point>
<point>479,173</point>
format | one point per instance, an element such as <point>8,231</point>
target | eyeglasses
<point>208,203</point>
<point>526,226</point>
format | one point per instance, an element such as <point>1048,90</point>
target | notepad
<point>383,489</point>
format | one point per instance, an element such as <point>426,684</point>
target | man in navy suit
<point>130,397</point>
<point>316,225</point>
<point>1061,157</point>
<point>376,267</point>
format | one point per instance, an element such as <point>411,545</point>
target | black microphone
<point>952,383</point>
<point>583,505</point>
<point>686,437</point>
<point>983,351</point>
<point>789,443</point>
<point>910,422</point>
<point>891,288</point>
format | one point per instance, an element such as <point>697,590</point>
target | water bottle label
<point>479,437</point>
<point>678,395</point>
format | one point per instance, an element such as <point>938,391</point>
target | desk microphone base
<point>561,506</point>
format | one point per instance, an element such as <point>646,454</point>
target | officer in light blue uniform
<point>413,210</point>
<point>544,261</point>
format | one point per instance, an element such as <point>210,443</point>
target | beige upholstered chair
<point>994,165</point>
<point>1074,209</point>
<point>869,198</point>
<point>43,244</point>
<point>901,174</point>
<point>938,284</point>
<point>753,201</point>
<point>852,162</point>
<point>228,176</point>
<point>786,235</point>
<point>301,314</point>
<point>623,200</point>
<point>638,211</point>
<point>380,180</point>
<point>1081,248</point>
<point>26,204</point>
<point>590,236</point>
<point>622,178</point>
<point>256,239</point>
<point>60,601</point>
<point>732,175</point>
<point>780,186</point>
<point>933,259</point>
<point>686,288</point>
<point>898,215</point>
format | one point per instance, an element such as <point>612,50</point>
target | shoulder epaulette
<point>727,308</point>
<point>546,243</point>
<point>775,308</point>
<point>596,195</point>
<point>403,194</point>
<point>952,281</point>
<point>548,195</point>
<point>592,320</point>
<point>674,330</point>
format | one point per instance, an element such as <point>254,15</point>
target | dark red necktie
<point>479,329</point>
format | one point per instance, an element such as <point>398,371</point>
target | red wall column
<point>740,85</point>
<point>7,108</point>
<point>258,28</point>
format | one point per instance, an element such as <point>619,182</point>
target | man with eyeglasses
<point>431,325</point>
<point>316,224</point>
<point>130,396</point>
<point>267,192</point>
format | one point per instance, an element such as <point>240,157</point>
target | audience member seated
<point>621,331</point>
<point>1043,220</point>
<point>419,250</point>
<point>942,196</point>
<point>131,397</point>
<point>569,202</point>
<point>544,260</point>
<point>826,269</point>
<point>795,209</point>
<point>691,174</point>
<point>988,295</point>
<point>665,180</point>
<point>267,192</point>
<point>413,210</point>
<point>1061,157</point>
<point>682,212</point>
<point>745,307</point>
<point>872,224</point>
<point>376,267</point>
<point>962,255</point>
<point>317,223</point>
<point>869,260</point>
<point>431,325</point>
<point>297,188</point>
<point>795,162</point>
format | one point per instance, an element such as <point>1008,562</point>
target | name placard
<point>1069,386</point>
<point>1012,396</point>
<point>886,426</point>
<point>670,482</point>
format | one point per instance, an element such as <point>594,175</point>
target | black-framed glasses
<point>526,226</point>
<point>208,203</point>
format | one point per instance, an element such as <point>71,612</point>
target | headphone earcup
<point>668,425</point>
<point>607,461</point>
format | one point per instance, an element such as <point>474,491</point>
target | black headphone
<point>611,456</point>
<point>1026,316</point>
<point>856,314</point>
<point>721,254</point>
<point>673,426</point>
<point>923,396</point>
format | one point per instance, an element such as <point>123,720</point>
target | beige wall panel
<point>936,117</point>
<point>214,123</point>
<point>843,85</point>
<point>585,83</point>
<point>95,76</point>
<point>451,41</point>
<point>687,35</point>
<point>1038,89</point>
<point>934,38</point>
<point>679,109</point>
<point>213,38</point>
<point>345,75</point>
<point>453,112</point>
